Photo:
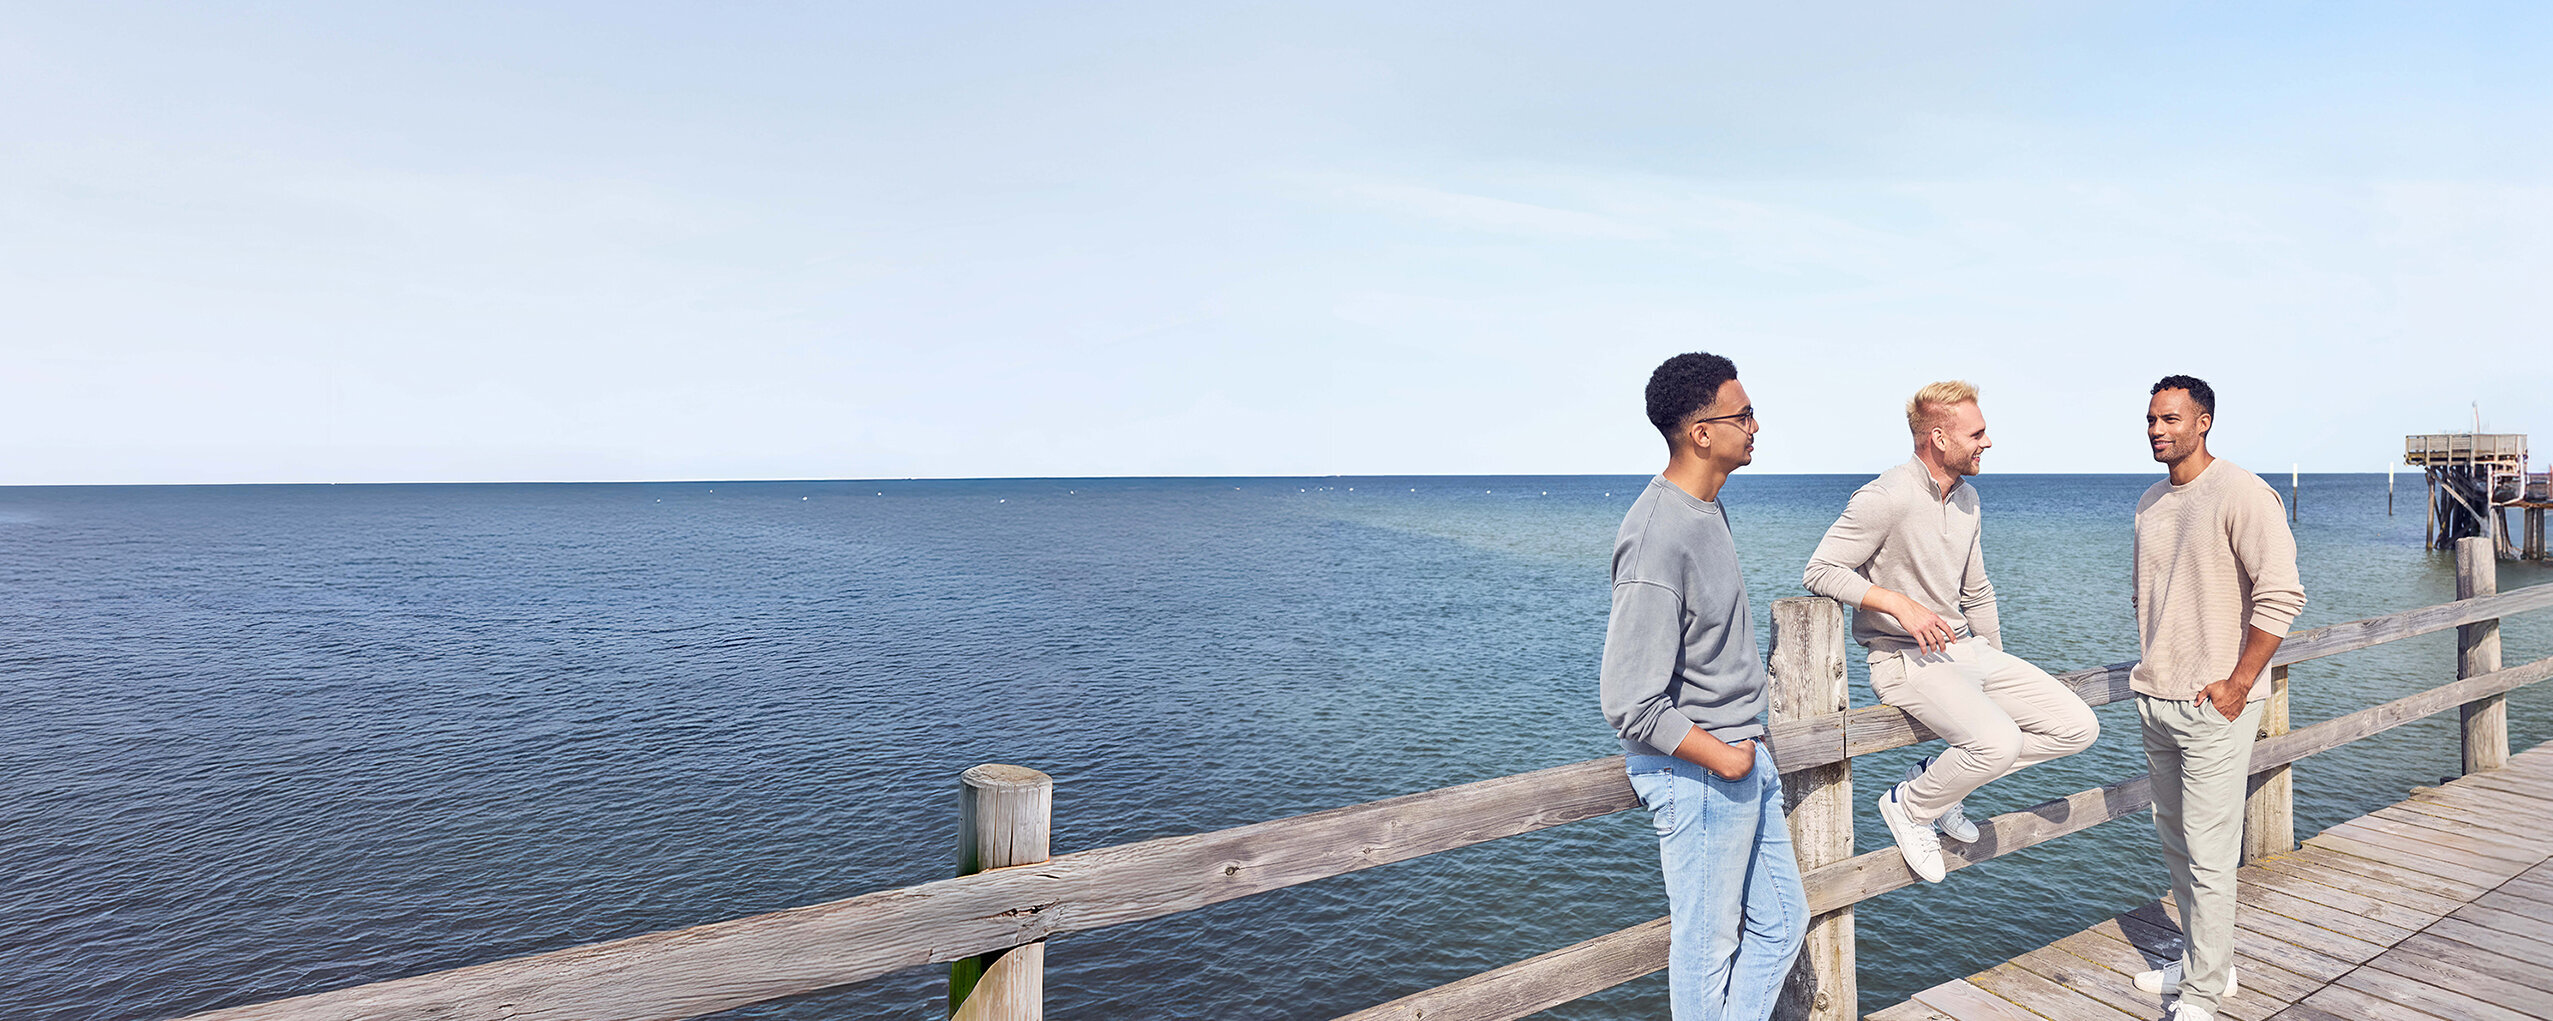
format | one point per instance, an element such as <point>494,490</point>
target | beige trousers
<point>2200,760</point>
<point>1998,712</point>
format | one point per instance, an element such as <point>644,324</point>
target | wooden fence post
<point>2486,720</point>
<point>1808,680</point>
<point>1004,816</point>
<point>2269,811</point>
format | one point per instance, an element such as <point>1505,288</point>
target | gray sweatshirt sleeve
<point>2266,551</point>
<point>1849,543</point>
<point>1642,643</point>
<point>1977,598</point>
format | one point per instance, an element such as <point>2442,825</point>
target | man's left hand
<point>2228,695</point>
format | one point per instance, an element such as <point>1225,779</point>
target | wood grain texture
<point>2269,805</point>
<point>2486,720</point>
<point>1807,666</point>
<point>1005,817</point>
<point>687,972</point>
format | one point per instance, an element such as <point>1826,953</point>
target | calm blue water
<point>262,741</point>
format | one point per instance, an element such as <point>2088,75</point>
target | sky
<point>360,243</point>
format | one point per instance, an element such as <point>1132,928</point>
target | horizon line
<point>883,480</point>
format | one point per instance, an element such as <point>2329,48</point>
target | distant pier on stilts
<point>2475,479</point>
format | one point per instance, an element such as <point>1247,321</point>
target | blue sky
<point>443,242</point>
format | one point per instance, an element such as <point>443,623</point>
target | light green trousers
<point>2200,760</point>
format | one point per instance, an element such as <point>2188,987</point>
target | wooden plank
<point>2530,971</point>
<point>2488,917</point>
<point>2307,1012</point>
<point>2260,978</point>
<point>2351,636</point>
<point>2526,846</point>
<point>1965,1002</point>
<point>2507,819</point>
<point>2466,844</point>
<point>2044,995</point>
<point>2533,903</point>
<point>1537,983</point>
<point>2261,898</point>
<point>2469,799</point>
<point>2403,903</point>
<point>2358,1005</point>
<point>1868,875</point>
<point>2269,929</point>
<point>2420,995</point>
<point>2524,1001</point>
<point>2388,851</point>
<point>2488,938</point>
<point>687,972</point>
<point>2503,846</point>
<point>2349,900</point>
<point>2399,876</point>
<point>2104,945</point>
<point>1808,682</point>
<point>2531,789</point>
<point>1910,1010</point>
<point>2286,748</point>
<point>2290,944</point>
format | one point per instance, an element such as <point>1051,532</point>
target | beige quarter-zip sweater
<point>1898,533</point>
<point>2213,559</point>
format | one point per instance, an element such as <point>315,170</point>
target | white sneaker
<point>1914,840</point>
<point>2185,1012</point>
<point>2166,980</point>
<point>1953,822</point>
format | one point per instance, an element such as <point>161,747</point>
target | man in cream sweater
<point>1909,556</point>
<point>2215,588</point>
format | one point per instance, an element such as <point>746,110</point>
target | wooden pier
<point>2434,908</point>
<point>992,924</point>
<point>2475,480</point>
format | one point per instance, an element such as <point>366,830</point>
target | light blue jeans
<point>1733,886</point>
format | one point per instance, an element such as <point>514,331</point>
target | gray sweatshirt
<point>1679,652</point>
<point>1899,534</point>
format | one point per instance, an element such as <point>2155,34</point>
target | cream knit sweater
<point>2213,559</point>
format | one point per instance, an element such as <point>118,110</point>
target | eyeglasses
<point>1744,419</point>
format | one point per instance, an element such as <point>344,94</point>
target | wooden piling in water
<point>1807,665</point>
<point>1005,817</point>
<point>2486,720</point>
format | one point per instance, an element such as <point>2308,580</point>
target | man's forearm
<point>2258,647</point>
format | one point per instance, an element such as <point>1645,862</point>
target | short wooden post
<point>1808,680</point>
<point>2269,811</point>
<point>2486,720</point>
<point>1004,815</point>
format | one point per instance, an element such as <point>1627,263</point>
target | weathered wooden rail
<point>983,918</point>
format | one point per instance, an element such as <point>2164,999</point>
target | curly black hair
<point>2200,392</point>
<point>1685,384</point>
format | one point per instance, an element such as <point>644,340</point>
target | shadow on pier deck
<point>2433,908</point>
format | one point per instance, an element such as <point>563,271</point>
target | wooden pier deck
<point>2438,908</point>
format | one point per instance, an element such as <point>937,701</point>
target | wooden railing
<point>993,920</point>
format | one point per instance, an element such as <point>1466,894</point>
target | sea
<point>257,741</point>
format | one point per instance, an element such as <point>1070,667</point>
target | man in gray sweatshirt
<point>1683,687</point>
<point>1908,556</point>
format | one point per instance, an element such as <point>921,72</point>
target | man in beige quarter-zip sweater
<point>1908,555</point>
<point>2215,589</point>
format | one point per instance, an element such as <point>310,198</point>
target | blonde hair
<point>1926,406</point>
